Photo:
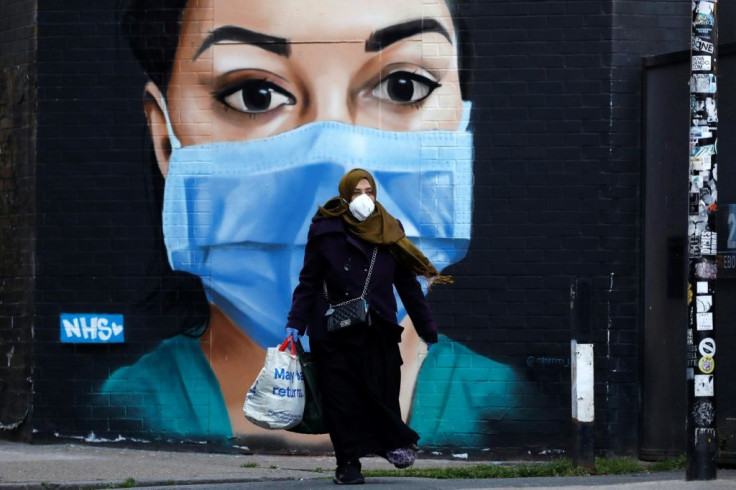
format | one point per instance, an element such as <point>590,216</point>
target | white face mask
<point>362,206</point>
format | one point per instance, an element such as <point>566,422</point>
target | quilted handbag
<point>353,312</point>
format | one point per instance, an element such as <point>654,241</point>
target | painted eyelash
<point>419,103</point>
<point>433,83</point>
<point>249,115</point>
<point>233,87</point>
<point>221,94</point>
<point>413,75</point>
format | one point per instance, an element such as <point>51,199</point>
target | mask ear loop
<point>175,143</point>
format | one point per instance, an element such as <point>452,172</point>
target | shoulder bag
<point>353,312</point>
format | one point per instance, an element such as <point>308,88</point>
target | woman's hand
<point>293,332</point>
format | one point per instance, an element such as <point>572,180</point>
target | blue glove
<point>429,345</point>
<point>293,332</point>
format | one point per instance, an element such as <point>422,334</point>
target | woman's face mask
<point>361,207</point>
<point>225,218</point>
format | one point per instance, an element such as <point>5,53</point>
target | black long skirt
<point>360,384</point>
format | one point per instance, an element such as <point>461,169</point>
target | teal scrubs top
<point>458,393</point>
<point>171,391</point>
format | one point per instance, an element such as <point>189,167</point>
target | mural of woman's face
<point>251,150</point>
<point>248,69</point>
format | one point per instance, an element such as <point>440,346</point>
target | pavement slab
<point>68,466</point>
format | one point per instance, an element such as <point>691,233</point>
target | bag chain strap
<point>365,288</point>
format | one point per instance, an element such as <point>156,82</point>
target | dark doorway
<point>664,283</point>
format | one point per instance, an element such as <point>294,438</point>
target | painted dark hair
<point>175,299</point>
<point>152,29</point>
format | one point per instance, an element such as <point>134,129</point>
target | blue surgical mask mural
<point>249,260</point>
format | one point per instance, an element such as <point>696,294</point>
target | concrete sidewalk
<point>67,466</point>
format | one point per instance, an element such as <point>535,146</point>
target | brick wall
<point>541,83</point>
<point>99,242</point>
<point>558,196</point>
<point>639,29</point>
<point>556,91</point>
<point>17,213</point>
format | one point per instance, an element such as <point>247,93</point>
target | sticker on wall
<point>704,32</point>
<point>705,47</point>
<point>697,111</point>
<point>91,328</point>
<point>711,111</point>
<point>693,201</point>
<point>695,184</point>
<point>694,247</point>
<point>702,63</point>
<point>706,364</point>
<point>703,303</point>
<point>708,195</point>
<point>703,149</point>
<point>703,413</point>
<point>708,243</point>
<point>699,133</point>
<point>706,268</point>
<point>697,225</point>
<point>704,14</point>
<point>707,347</point>
<point>703,83</point>
<point>705,321</point>
<point>704,385</point>
<point>700,163</point>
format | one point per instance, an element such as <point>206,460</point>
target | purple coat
<point>341,260</point>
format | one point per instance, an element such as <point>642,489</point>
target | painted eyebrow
<point>277,45</point>
<point>382,38</point>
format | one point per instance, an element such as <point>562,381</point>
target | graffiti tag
<point>91,328</point>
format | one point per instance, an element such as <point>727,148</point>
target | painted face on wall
<point>248,69</point>
<point>269,103</point>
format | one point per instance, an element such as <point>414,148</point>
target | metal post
<point>701,413</point>
<point>582,373</point>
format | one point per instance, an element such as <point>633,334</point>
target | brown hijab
<point>380,228</point>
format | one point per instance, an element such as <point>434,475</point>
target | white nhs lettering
<point>92,328</point>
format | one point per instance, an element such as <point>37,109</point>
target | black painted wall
<point>17,213</point>
<point>559,196</point>
<point>557,93</point>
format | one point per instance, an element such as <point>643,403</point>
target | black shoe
<point>349,474</point>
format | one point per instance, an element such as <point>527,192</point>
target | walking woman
<point>354,241</point>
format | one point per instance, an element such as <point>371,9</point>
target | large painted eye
<point>403,87</point>
<point>256,96</point>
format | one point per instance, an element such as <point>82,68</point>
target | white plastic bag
<point>276,399</point>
